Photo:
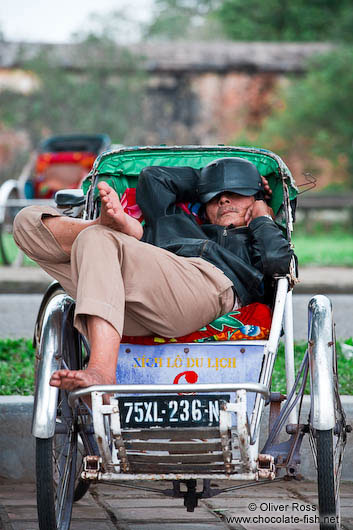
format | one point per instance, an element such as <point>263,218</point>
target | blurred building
<point>197,92</point>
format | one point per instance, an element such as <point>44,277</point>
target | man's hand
<point>267,189</point>
<point>258,209</point>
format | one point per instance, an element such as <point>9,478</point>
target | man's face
<point>228,208</point>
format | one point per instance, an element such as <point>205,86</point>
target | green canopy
<point>120,168</point>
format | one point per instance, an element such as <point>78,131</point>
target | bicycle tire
<point>326,481</point>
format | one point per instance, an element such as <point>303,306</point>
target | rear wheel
<point>327,444</point>
<point>328,448</point>
<point>328,484</point>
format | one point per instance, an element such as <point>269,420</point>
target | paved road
<point>280,505</point>
<point>18,313</point>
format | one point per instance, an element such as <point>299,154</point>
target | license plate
<point>171,411</point>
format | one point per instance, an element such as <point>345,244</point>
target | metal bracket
<point>225,425</point>
<point>242,433</point>
<point>98,412</point>
<point>115,427</point>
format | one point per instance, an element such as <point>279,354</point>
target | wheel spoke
<point>64,475</point>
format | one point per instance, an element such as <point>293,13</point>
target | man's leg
<point>47,237</point>
<point>157,291</point>
<point>104,342</point>
<point>139,288</point>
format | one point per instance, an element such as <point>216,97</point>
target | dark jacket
<point>246,255</point>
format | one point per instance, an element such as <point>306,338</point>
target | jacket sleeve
<point>159,189</point>
<point>271,251</point>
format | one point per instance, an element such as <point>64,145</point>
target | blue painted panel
<point>190,363</point>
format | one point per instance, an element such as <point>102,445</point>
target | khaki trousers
<point>138,288</point>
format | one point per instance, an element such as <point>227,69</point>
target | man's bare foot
<point>73,379</point>
<point>112,213</point>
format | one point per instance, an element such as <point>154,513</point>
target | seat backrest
<point>121,168</point>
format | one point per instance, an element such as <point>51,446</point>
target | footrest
<point>166,451</point>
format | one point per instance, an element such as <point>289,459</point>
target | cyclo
<point>187,410</point>
<point>59,162</point>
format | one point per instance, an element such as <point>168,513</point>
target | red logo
<point>191,378</point>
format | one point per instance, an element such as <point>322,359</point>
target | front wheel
<point>56,471</point>
<point>59,457</point>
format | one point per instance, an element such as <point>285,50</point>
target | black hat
<point>229,174</point>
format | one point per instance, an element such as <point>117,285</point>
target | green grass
<point>17,368</point>
<point>345,369</point>
<point>333,248</point>
<point>12,250</point>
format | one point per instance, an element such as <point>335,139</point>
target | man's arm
<point>160,188</point>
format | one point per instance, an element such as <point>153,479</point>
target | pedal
<point>266,467</point>
<point>92,466</point>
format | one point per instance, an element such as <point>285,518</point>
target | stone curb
<point>17,446</point>
<point>23,280</point>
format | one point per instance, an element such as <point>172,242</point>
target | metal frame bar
<point>289,351</point>
<point>176,476</point>
<point>27,202</point>
<point>170,389</point>
<point>270,354</point>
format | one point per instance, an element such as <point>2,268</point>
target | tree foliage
<point>316,114</point>
<point>287,20</point>
<point>184,19</point>
<point>254,20</point>
<point>103,97</point>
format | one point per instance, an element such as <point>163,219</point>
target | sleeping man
<point>172,276</point>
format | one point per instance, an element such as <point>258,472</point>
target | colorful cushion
<point>251,322</point>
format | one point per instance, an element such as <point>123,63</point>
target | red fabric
<point>252,322</point>
<point>128,202</point>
